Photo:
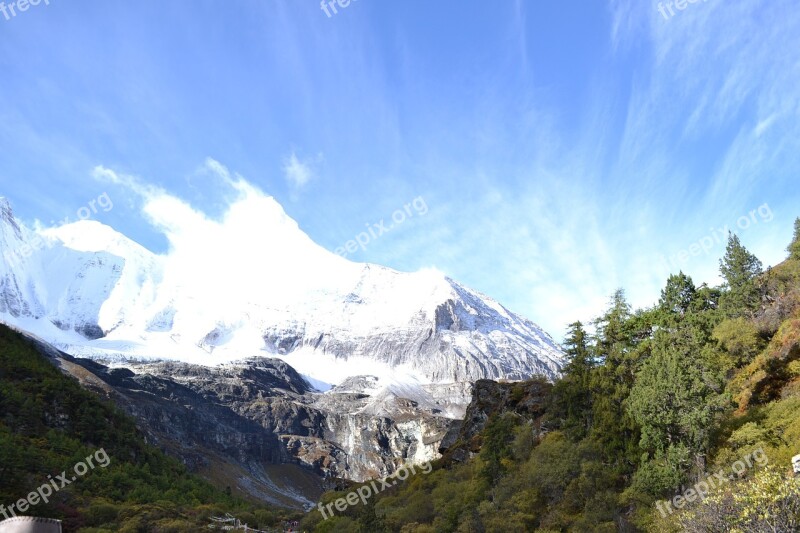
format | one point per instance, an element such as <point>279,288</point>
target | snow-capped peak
<point>253,283</point>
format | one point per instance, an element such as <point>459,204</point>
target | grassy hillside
<point>49,424</point>
<point>680,417</point>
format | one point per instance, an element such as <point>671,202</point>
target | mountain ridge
<point>95,293</point>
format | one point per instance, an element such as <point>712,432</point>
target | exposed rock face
<point>251,417</point>
<point>210,439</point>
<point>175,413</point>
<point>346,434</point>
<point>526,399</point>
<point>206,435</point>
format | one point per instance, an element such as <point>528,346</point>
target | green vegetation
<point>48,423</point>
<point>740,269</point>
<point>647,406</point>
<point>794,247</point>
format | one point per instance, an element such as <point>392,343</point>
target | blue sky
<point>561,148</point>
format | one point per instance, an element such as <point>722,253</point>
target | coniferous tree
<point>794,247</point>
<point>579,360</point>
<point>612,339</point>
<point>740,269</point>
<point>674,402</point>
<point>573,399</point>
<point>738,266</point>
<point>678,295</point>
<point>671,399</point>
<point>613,428</point>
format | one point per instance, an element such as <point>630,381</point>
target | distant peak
<point>7,215</point>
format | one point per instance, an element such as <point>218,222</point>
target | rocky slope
<point>258,427</point>
<point>525,399</point>
<point>338,434</point>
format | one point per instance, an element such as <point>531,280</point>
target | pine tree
<point>612,427</point>
<point>739,266</point>
<point>675,401</point>
<point>573,399</point>
<point>794,247</point>
<point>678,295</point>
<point>740,269</point>
<point>671,399</point>
<point>579,360</point>
<point>612,339</point>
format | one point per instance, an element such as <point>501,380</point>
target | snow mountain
<point>255,285</point>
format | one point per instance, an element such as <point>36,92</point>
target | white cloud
<point>214,260</point>
<point>298,173</point>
